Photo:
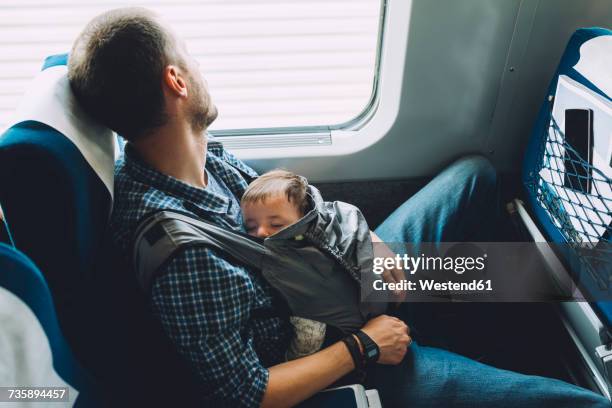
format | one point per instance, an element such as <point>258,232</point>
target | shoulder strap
<point>160,235</point>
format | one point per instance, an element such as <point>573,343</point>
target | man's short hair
<point>116,68</point>
<point>278,182</point>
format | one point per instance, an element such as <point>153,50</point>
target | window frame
<point>370,125</point>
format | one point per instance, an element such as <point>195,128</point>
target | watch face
<point>371,353</point>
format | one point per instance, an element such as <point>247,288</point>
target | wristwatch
<point>359,373</point>
<point>353,348</point>
<point>371,352</point>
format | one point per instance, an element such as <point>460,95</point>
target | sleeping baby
<point>326,250</point>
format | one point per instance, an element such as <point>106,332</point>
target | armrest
<point>349,396</point>
<point>5,236</point>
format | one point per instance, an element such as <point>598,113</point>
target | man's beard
<point>202,111</point>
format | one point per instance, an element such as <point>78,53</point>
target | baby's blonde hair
<point>278,181</point>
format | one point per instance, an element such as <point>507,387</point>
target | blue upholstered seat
<point>55,204</point>
<point>21,277</point>
<point>595,80</point>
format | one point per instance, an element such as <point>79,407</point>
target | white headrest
<point>50,100</point>
<point>595,63</point>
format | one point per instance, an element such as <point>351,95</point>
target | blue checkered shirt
<point>203,301</point>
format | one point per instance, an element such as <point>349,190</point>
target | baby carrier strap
<point>161,234</point>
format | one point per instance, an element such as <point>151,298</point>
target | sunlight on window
<point>269,63</point>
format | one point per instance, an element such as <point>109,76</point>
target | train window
<point>269,63</point>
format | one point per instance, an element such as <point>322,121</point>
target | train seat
<point>34,349</point>
<point>569,194</point>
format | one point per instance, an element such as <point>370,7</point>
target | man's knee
<point>477,169</point>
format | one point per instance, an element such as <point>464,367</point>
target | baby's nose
<point>262,232</point>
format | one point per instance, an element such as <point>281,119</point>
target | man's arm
<point>294,381</point>
<point>203,303</point>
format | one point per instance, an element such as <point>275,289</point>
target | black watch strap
<point>353,348</point>
<point>371,352</point>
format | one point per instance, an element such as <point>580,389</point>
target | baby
<point>273,201</point>
<point>282,206</point>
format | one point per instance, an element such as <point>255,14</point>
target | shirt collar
<point>202,198</point>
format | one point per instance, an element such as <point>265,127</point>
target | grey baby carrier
<point>317,264</point>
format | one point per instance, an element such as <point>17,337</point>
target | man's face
<point>201,111</point>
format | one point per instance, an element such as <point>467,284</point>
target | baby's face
<point>267,217</point>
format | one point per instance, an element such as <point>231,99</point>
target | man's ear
<point>174,80</point>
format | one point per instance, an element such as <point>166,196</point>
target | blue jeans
<point>458,205</point>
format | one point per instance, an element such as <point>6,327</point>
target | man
<point>130,71</point>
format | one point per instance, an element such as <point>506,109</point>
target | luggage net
<point>577,197</point>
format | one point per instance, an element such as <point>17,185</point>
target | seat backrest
<point>569,189</point>
<point>56,169</point>
<point>32,336</point>
<point>585,64</point>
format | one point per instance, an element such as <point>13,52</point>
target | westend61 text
<point>432,285</point>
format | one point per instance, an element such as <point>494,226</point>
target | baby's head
<point>274,201</point>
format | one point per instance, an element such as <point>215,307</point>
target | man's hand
<point>391,335</point>
<point>293,381</point>
<point>394,275</point>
